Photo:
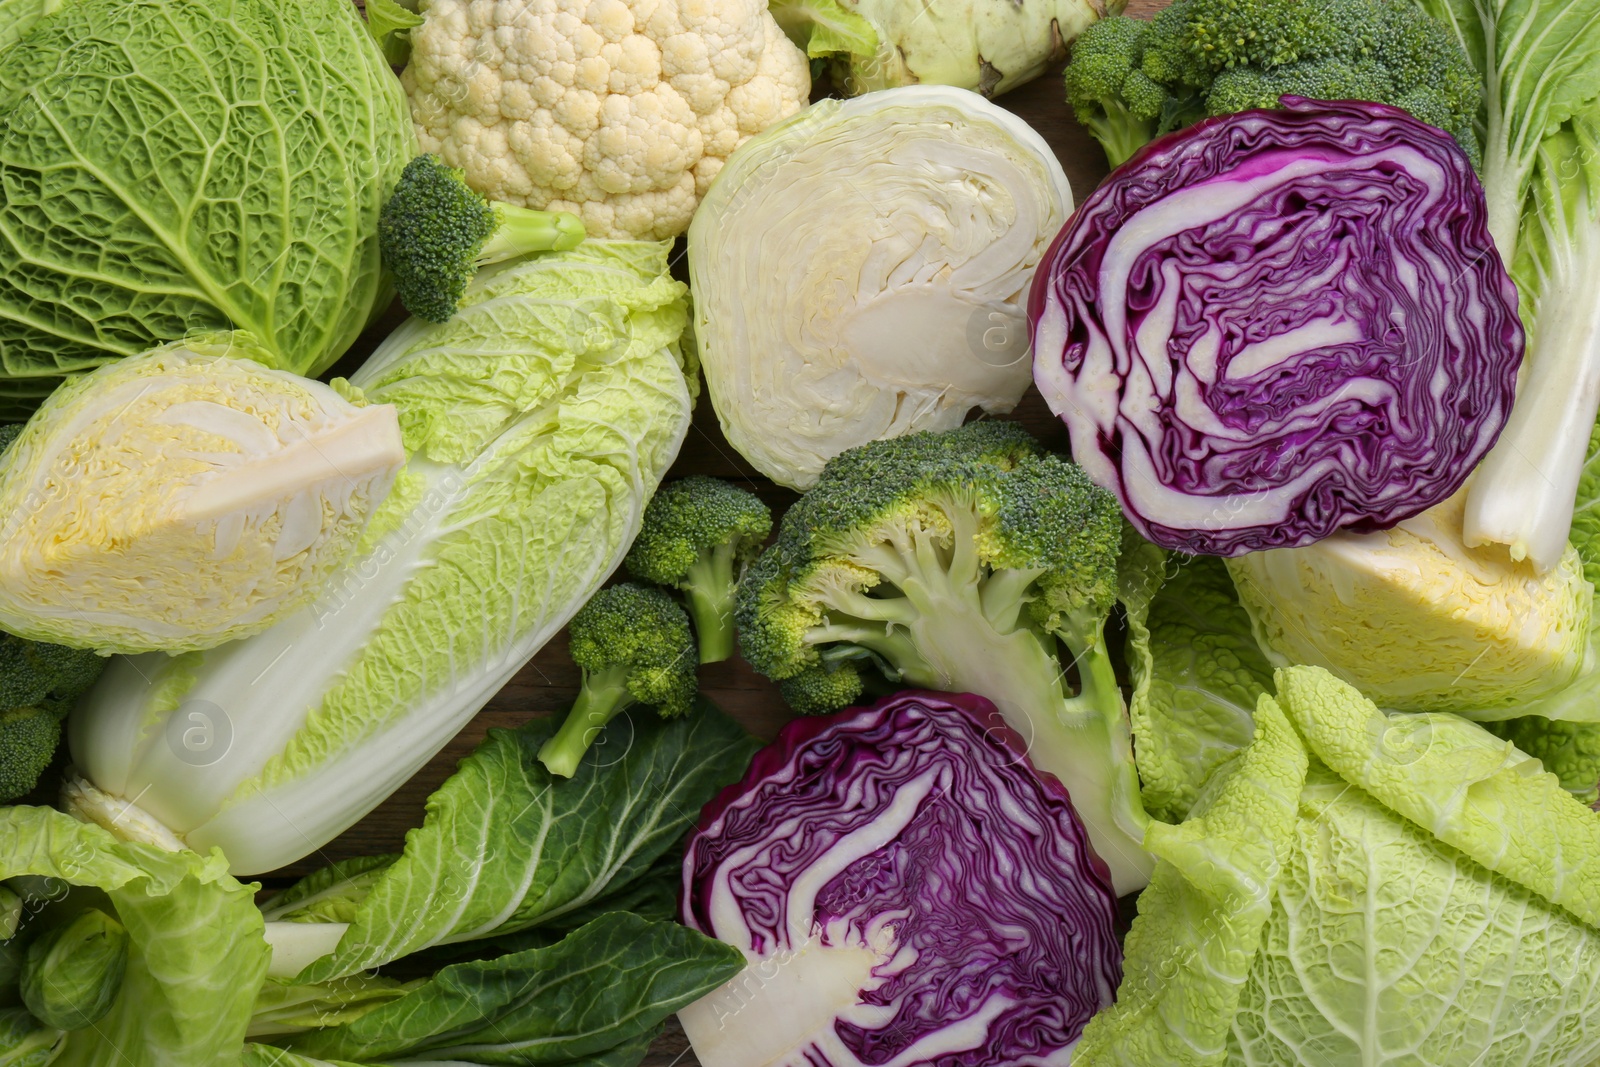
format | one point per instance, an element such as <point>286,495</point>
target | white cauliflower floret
<point>619,111</point>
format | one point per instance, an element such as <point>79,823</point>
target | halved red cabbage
<point>908,891</point>
<point>1279,324</point>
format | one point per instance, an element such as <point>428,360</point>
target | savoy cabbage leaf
<point>177,165</point>
<point>1428,903</point>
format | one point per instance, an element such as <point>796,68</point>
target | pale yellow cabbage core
<point>183,498</point>
<point>1416,620</point>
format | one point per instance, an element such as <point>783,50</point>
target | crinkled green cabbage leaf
<point>1197,671</point>
<point>1431,903</point>
<point>173,165</point>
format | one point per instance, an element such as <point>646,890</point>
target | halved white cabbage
<point>1419,622</point>
<point>861,272</point>
<point>183,498</point>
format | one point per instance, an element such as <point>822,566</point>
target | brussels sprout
<point>25,1042</point>
<point>74,970</point>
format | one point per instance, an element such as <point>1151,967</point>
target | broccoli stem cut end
<point>523,231</point>
<point>604,696</point>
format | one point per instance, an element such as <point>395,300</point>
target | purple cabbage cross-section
<point>1276,325</point>
<point>908,890</point>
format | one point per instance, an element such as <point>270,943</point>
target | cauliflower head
<point>619,111</point>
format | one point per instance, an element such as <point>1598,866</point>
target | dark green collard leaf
<point>286,1007</point>
<point>630,1053</point>
<point>610,983</point>
<point>653,895</point>
<point>505,847</point>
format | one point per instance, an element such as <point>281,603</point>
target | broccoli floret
<point>1235,55</point>
<point>1244,88</point>
<point>38,685</point>
<point>436,231</point>
<point>699,536</point>
<point>1568,750</point>
<point>634,645</point>
<point>1109,93</point>
<point>961,561</point>
<point>819,690</point>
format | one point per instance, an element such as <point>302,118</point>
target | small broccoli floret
<point>1236,55</point>
<point>699,536</point>
<point>634,645</point>
<point>1568,750</point>
<point>436,231</point>
<point>38,686</point>
<point>1110,95</point>
<point>819,690</point>
<point>964,561</point>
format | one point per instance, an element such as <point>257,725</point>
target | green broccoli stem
<point>1119,133</point>
<point>709,590</point>
<point>943,635</point>
<point>603,697</point>
<point>523,231</point>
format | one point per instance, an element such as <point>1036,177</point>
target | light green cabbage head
<point>173,165</point>
<point>184,498</point>
<point>1418,621</point>
<point>1358,889</point>
<point>539,421</point>
<point>986,46</point>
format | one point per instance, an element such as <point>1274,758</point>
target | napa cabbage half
<point>538,421</point>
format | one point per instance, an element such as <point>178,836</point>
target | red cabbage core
<point>1280,324</point>
<point>908,890</point>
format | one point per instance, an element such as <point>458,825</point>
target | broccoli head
<point>435,231</point>
<point>38,685</point>
<point>963,561</point>
<point>635,647</point>
<point>699,535</point>
<point>1568,750</point>
<point>1109,92</point>
<point>1218,57</point>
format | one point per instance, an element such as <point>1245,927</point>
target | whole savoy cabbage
<point>168,166</point>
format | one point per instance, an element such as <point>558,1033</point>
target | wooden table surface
<point>550,681</point>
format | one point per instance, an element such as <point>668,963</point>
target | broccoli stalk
<point>699,536</point>
<point>961,562</point>
<point>435,231</point>
<point>634,645</point>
